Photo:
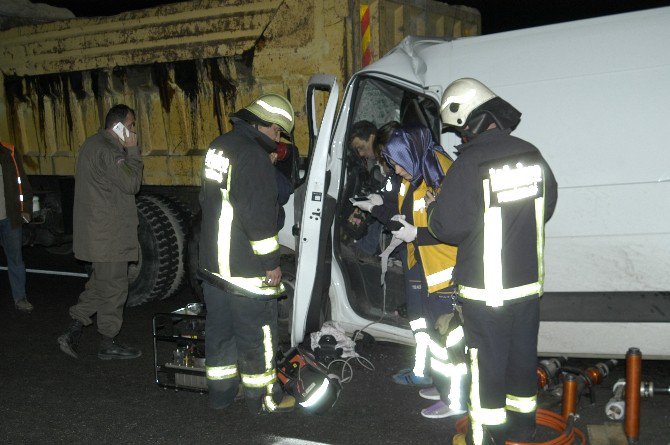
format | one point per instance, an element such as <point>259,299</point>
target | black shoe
<point>69,342</point>
<point>110,349</point>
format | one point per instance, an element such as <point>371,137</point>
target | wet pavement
<point>48,397</point>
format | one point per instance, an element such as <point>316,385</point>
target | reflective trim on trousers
<point>481,416</point>
<point>221,372</point>
<point>521,404</point>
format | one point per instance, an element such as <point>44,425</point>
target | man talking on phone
<point>107,178</point>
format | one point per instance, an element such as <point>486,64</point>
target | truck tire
<point>160,257</point>
<point>179,216</point>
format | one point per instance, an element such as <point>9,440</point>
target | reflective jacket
<point>493,205</point>
<point>238,239</point>
<point>437,258</point>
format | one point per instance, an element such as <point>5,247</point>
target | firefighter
<point>427,262</point>
<point>493,205</point>
<point>239,257</point>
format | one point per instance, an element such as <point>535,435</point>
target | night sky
<point>497,15</point>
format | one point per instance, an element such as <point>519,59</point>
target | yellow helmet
<point>273,109</point>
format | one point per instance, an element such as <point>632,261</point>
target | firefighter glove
<point>407,233</point>
<point>372,201</point>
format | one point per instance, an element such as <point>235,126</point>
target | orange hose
<point>543,418</point>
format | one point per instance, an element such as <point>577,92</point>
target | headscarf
<point>414,150</point>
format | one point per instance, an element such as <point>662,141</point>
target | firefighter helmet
<point>469,103</point>
<point>460,98</point>
<point>273,109</point>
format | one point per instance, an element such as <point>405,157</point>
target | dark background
<point>497,15</point>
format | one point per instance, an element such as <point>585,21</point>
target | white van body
<point>594,95</point>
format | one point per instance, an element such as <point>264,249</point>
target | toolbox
<point>179,348</point>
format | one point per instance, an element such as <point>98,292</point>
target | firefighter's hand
<point>407,233</point>
<point>273,277</point>
<point>372,201</point>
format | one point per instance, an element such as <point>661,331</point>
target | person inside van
<point>420,164</point>
<point>364,229</point>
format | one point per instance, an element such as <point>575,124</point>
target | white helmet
<point>460,98</point>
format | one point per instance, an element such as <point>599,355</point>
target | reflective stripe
<point>539,224</point>
<point>422,341</point>
<point>455,386</point>
<point>389,185</point>
<point>216,165</point>
<point>419,323</point>
<point>521,404</point>
<point>268,401</point>
<point>472,293</point>
<point>455,336</point>
<point>442,276</point>
<point>255,285</point>
<point>268,347</point>
<point>515,183</point>
<point>403,189</point>
<point>492,249</point>
<point>441,368</point>
<point>484,416</point>
<point>418,205</point>
<point>317,395</point>
<point>489,416</point>
<point>221,372</point>
<point>275,110</point>
<point>437,351</point>
<point>265,246</point>
<point>270,404</point>
<point>509,184</point>
<point>259,380</point>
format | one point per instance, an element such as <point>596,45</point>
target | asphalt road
<point>47,397</point>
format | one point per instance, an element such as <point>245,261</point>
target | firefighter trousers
<point>502,343</point>
<point>241,343</point>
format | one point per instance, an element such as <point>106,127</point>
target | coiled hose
<point>568,433</point>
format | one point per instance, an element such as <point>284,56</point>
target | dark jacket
<point>238,198</point>
<point>457,215</point>
<point>105,220</point>
<point>10,162</point>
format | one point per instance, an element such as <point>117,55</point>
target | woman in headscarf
<point>420,165</point>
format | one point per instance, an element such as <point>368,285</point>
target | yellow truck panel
<point>186,67</point>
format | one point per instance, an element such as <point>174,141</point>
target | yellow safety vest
<point>438,260</point>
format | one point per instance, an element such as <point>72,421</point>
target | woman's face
<point>401,172</point>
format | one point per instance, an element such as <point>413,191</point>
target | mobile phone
<point>358,199</point>
<point>121,131</point>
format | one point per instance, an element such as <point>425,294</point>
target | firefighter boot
<point>69,342</point>
<point>110,349</point>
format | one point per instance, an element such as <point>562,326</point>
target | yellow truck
<point>184,68</point>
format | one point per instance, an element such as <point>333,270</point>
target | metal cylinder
<point>569,395</point>
<point>633,380</point>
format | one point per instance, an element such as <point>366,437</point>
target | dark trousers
<point>503,352</point>
<point>235,336</point>
<point>11,241</point>
<point>105,295</point>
